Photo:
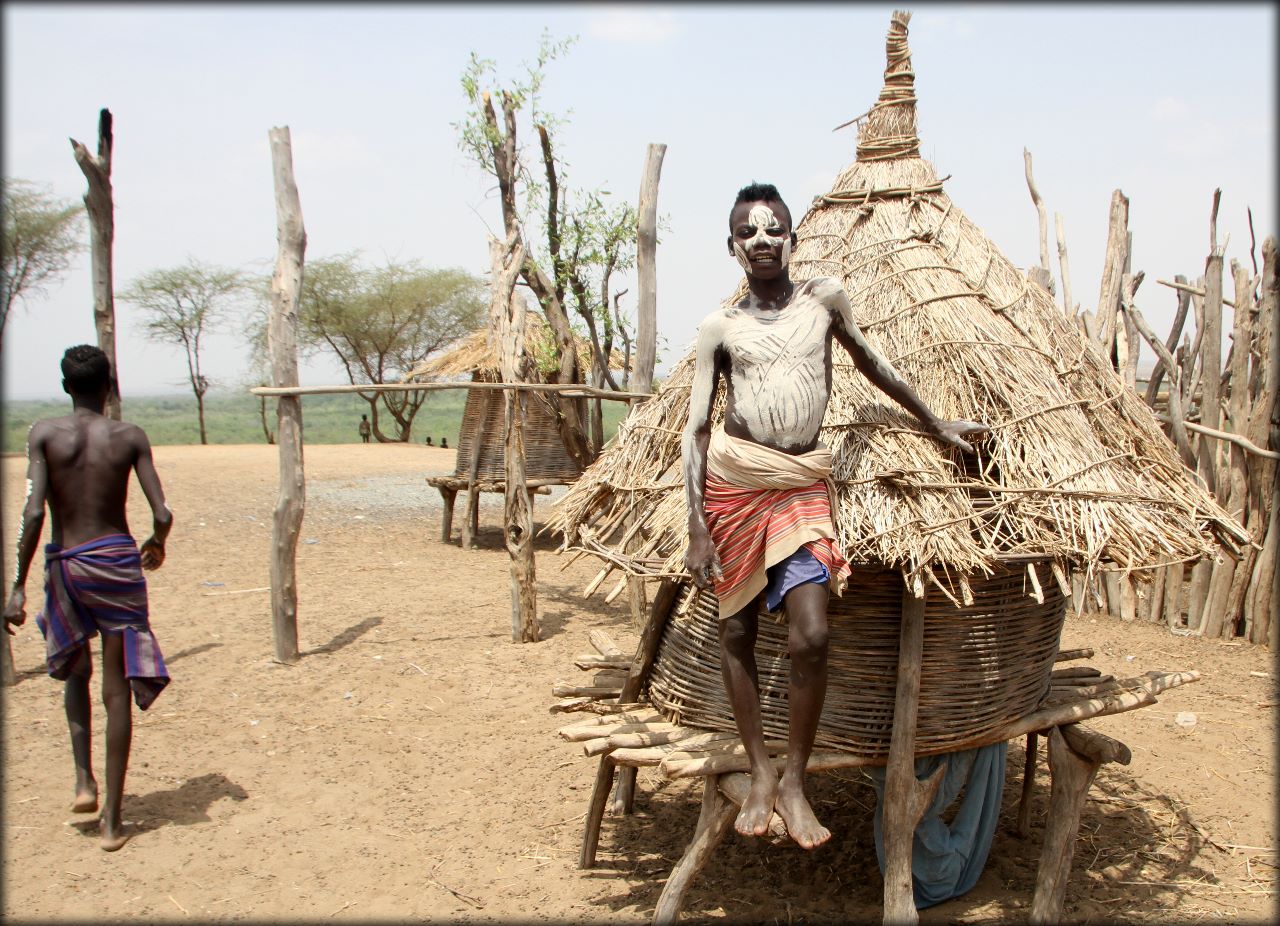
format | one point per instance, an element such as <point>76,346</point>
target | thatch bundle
<point>1076,471</point>
<point>477,355</point>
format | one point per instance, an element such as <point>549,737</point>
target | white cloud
<point>635,26</point>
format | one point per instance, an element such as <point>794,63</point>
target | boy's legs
<point>807,618</point>
<point>116,698</point>
<point>75,699</point>
<point>738,663</point>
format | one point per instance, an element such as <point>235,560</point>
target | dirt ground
<point>407,766</point>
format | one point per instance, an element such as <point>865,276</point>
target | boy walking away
<point>79,465</point>
<point>758,489</point>
<point>365,430</point>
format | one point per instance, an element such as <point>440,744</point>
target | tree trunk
<point>646,270</point>
<point>98,203</point>
<point>282,344</point>
<point>507,319</point>
<point>262,413</point>
<point>204,435</point>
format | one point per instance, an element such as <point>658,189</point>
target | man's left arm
<point>882,374</point>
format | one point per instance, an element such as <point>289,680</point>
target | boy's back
<point>88,459</point>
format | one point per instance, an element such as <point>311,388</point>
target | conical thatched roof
<point>1076,469</point>
<point>476,354</point>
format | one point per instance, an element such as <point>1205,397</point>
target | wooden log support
<point>447,497</point>
<point>1112,271</point>
<point>99,205</point>
<point>282,344</point>
<point>1262,602</point>
<point>713,822</point>
<point>905,798</point>
<point>641,663</point>
<point>595,813</point>
<point>1072,773</point>
<point>1028,785</point>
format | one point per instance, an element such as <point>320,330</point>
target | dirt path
<point>407,766</point>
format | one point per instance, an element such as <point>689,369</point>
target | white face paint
<point>762,219</point>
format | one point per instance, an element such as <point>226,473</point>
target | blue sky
<point>1164,102</point>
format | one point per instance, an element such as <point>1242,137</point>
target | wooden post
<point>1028,786</point>
<point>1043,216</point>
<point>447,497</point>
<point>507,314</point>
<point>646,271</point>
<point>641,663</point>
<point>1226,583</point>
<point>98,203</point>
<point>905,798</point>
<point>1261,602</point>
<point>713,822</point>
<point>1072,774</point>
<point>282,344</point>
<point>471,517</point>
<point>1068,306</point>
<point>1210,404</point>
<point>1112,271</point>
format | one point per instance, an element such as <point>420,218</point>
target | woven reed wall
<point>984,665</point>
<point>484,415</point>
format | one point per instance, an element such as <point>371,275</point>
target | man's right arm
<point>161,517</point>
<point>701,559</point>
<point>32,524</point>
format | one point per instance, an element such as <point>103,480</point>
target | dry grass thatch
<point>1076,470</point>
<point>476,354</point>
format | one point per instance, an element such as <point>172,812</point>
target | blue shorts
<point>798,568</point>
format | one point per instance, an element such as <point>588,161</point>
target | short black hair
<point>85,369</point>
<point>759,192</point>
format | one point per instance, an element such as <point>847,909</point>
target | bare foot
<point>114,835</point>
<point>753,818</point>
<point>86,800</point>
<point>795,811</point>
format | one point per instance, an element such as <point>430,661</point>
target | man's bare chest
<point>760,345</point>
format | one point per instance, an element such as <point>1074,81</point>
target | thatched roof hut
<point>1075,474</point>
<point>547,461</point>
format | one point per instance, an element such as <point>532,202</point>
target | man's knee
<point>738,634</point>
<point>807,639</point>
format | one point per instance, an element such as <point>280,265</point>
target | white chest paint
<point>778,370</point>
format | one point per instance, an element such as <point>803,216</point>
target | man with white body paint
<point>758,489</point>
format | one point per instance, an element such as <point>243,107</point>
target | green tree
<point>382,321</point>
<point>577,240</point>
<point>180,305</point>
<point>41,236</point>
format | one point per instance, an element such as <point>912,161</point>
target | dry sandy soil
<point>407,766</point>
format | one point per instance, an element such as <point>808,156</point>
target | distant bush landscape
<point>234,418</point>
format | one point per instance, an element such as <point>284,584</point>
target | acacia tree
<point>580,242</point>
<point>182,304</point>
<point>255,336</point>
<point>380,322</point>
<point>41,236</point>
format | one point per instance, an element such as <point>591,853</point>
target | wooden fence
<point>1222,413</point>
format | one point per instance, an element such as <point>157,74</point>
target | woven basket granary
<point>484,419</point>
<point>985,664</point>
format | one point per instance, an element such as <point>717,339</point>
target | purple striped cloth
<point>98,587</point>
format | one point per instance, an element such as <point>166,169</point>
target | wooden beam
<point>569,389</point>
<point>282,343</point>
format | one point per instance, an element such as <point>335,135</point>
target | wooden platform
<point>630,735</point>
<point>450,486</point>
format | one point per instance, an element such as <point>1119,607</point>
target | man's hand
<point>152,554</point>
<point>15,611</point>
<point>701,561</point>
<point>955,432</point>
